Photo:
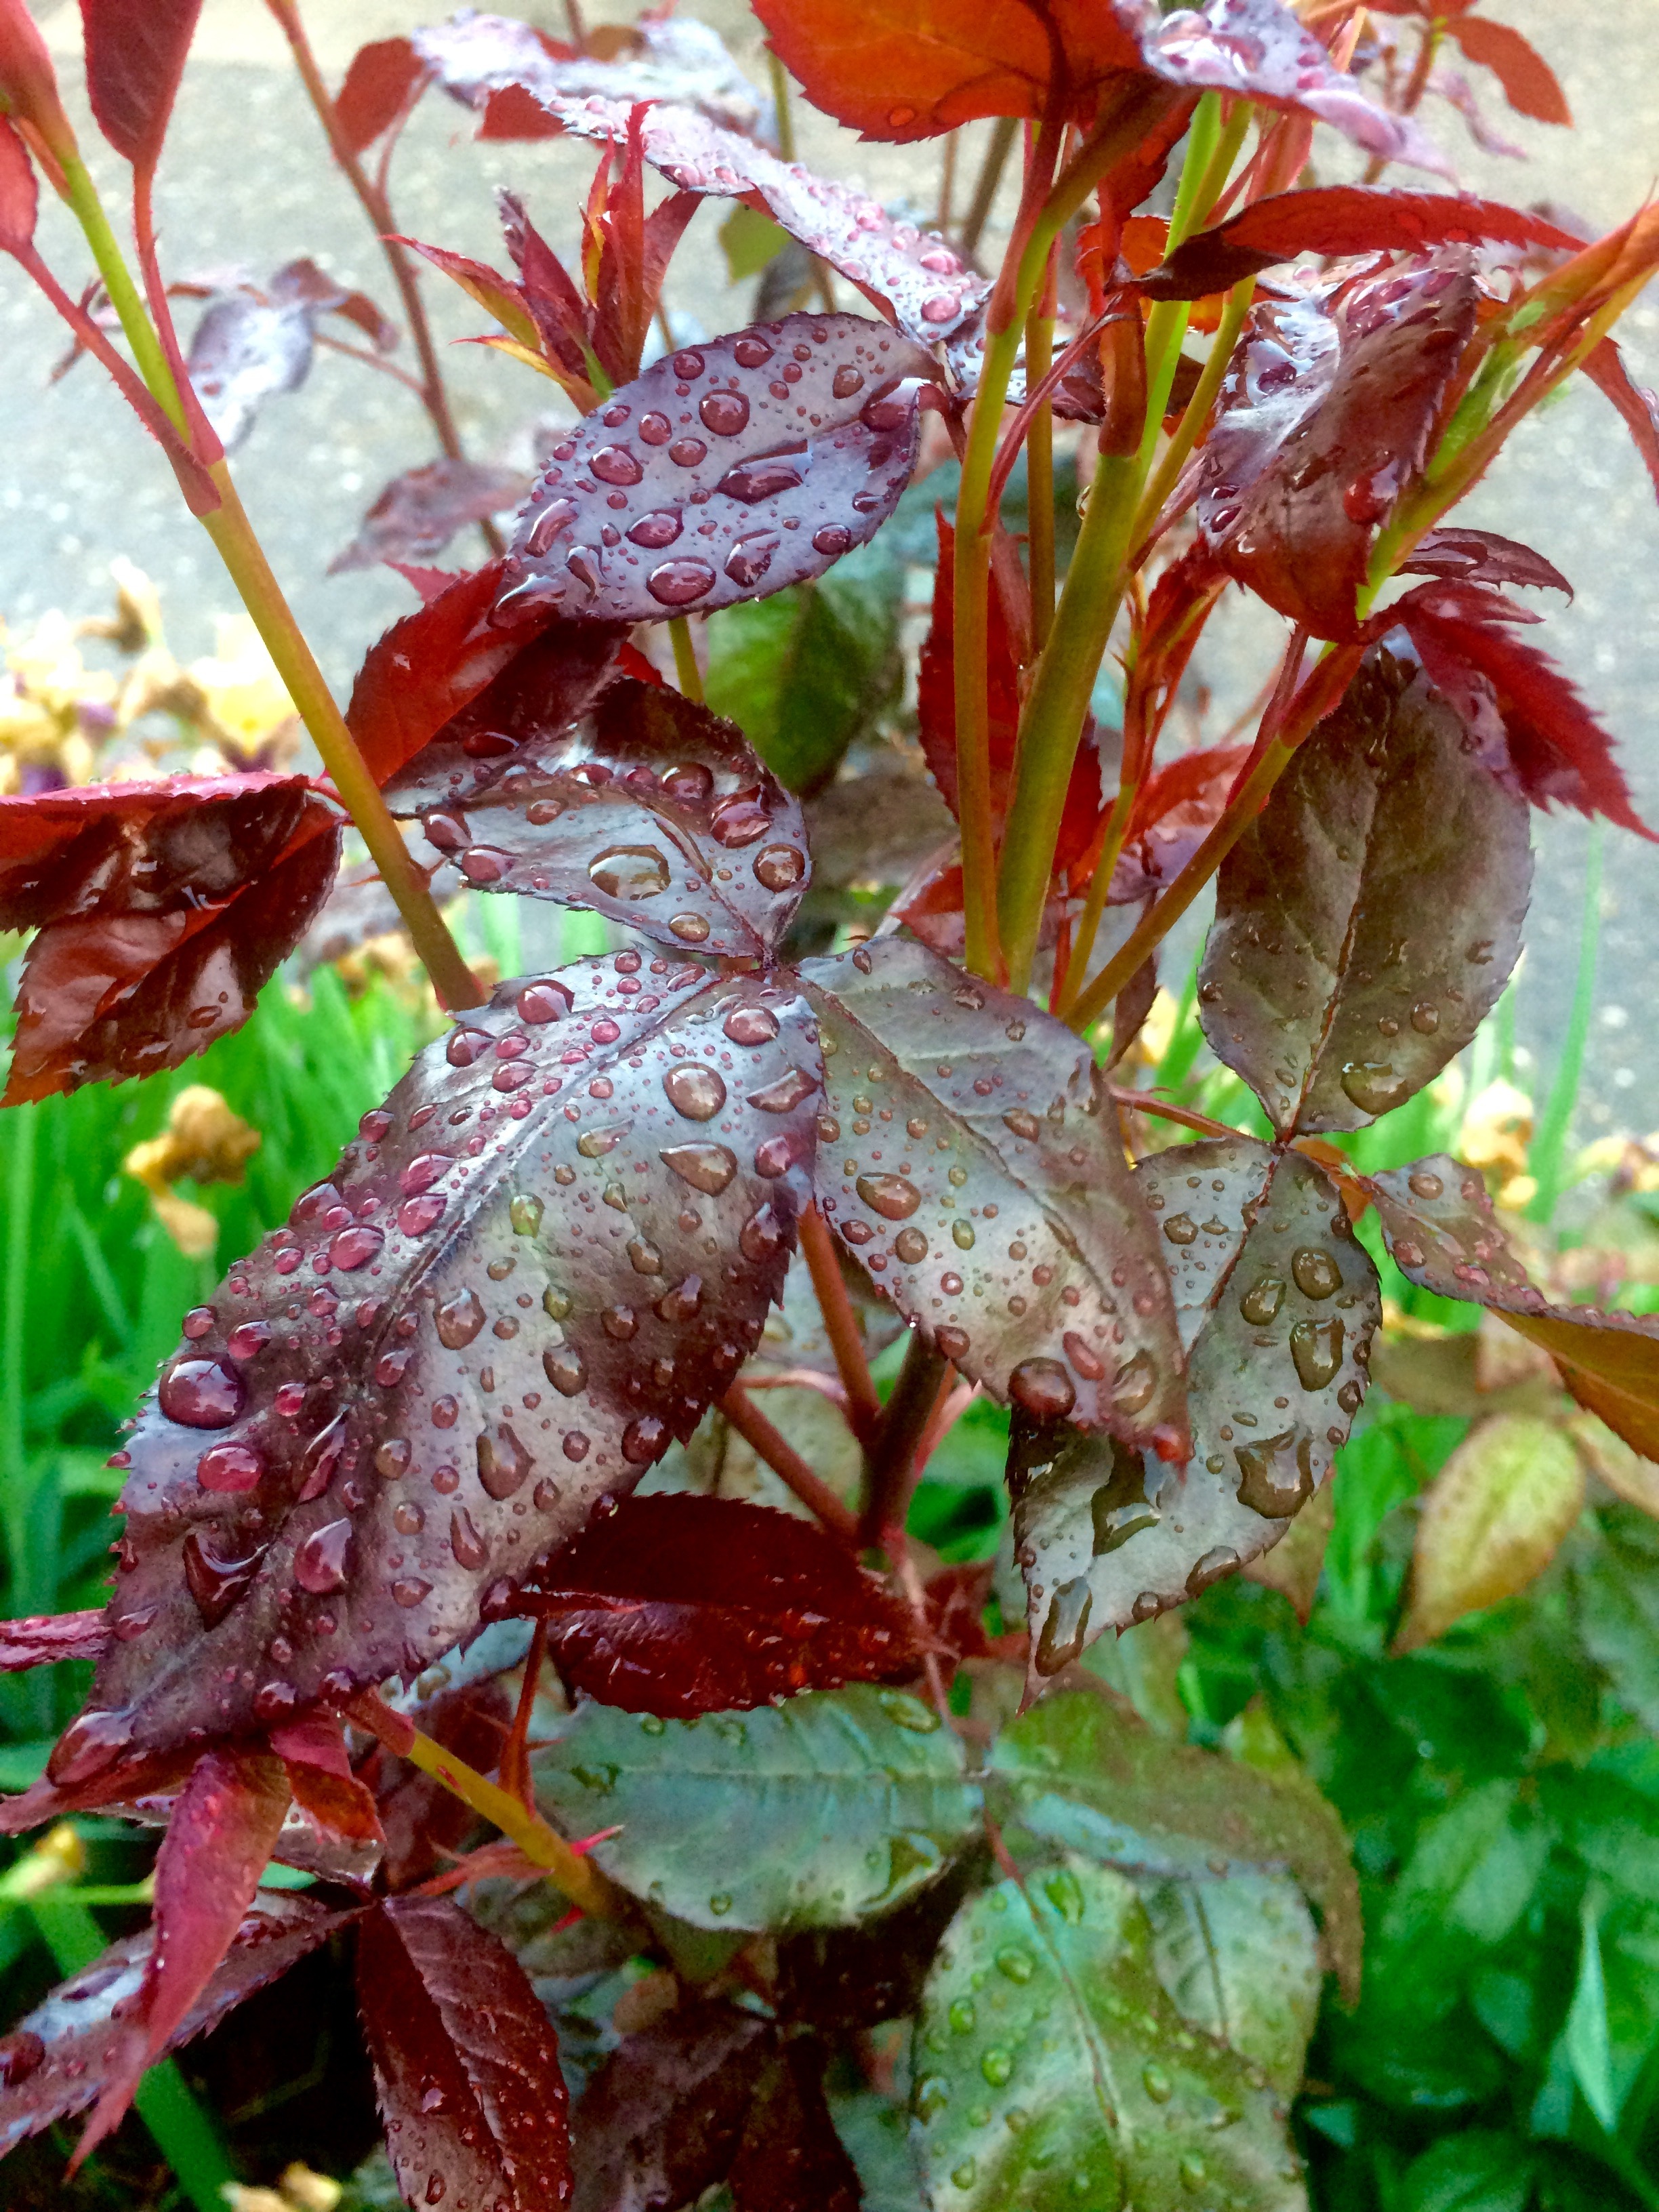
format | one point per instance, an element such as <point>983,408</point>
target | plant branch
<point>687,674</point>
<point>1197,413</point>
<point>890,1459</point>
<point>1040,461</point>
<point>1000,145</point>
<point>841,1323</point>
<point>770,1445</point>
<point>1147,1102</point>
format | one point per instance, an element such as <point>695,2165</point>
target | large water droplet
<point>615,464</point>
<point>1121,1508</point>
<point>780,867</point>
<point>1261,1303</point>
<point>630,872</point>
<point>504,1462</point>
<point>1065,1626</point>
<point>644,1440</point>
<point>761,1236</point>
<point>889,1195</point>
<point>1222,1560</point>
<point>1136,1381</point>
<point>1373,1085</point>
<point>1181,1229</point>
<point>739,822</point>
<point>562,1365</point>
<point>91,1742</point>
<point>1316,1348</point>
<point>320,1562</point>
<point>997,2066</point>
<point>677,583</point>
<point>355,1247</point>
<point>751,1025</point>
<point>658,529</point>
<point>201,1394</point>
<point>706,1168</point>
<point>1425,1183</point>
<point>695,1090</point>
<point>229,1468</point>
<point>459,1320</point>
<point>787,1093</point>
<point>1276,1474</point>
<point>215,1579</point>
<point>1042,1388</point>
<point>751,481</point>
<point>524,1213</point>
<point>725,413</point>
<point>1425,1018</point>
<point>1317,1275</point>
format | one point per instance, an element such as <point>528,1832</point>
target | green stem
<point>1180,447</point>
<point>687,674</point>
<point>1040,468</point>
<point>19,1254</point>
<point>81,195</point>
<point>1001,144</point>
<point>781,107</point>
<point>1544,1156</point>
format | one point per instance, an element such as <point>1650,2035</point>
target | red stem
<point>840,1324</point>
<point>771,1445</point>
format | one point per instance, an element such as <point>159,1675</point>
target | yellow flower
<point>205,1140</point>
<point>246,700</point>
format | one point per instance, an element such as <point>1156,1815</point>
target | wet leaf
<point>162,909</point>
<point>662,2119</point>
<point>255,341</point>
<point>1436,1218</point>
<point>1276,1304</point>
<point>1493,1520</point>
<point>1513,700</point>
<point>1241,1958</point>
<point>466,2065</point>
<point>218,1843</point>
<point>37,1640</point>
<point>1045,2002</point>
<point>56,2059</point>
<point>379,81</point>
<point>683,1605</point>
<point>1340,219</point>
<point>1368,919</point>
<point>502,1300</point>
<point>1638,406</point>
<point>1178,806</point>
<point>1078,1772</point>
<point>706,481</point>
<point>1297,1561</point>
<point>967,1164</point>
<point>791,2159</point>
<point>1326,415</point>
<point>135,58</point>
<point>1529,83</point>
<point>838,1980</point>
<point>649,809</point>
<point>847,1802</point>
<point>419,512</point>
<point>20,195</point>
<point>1480,556</point>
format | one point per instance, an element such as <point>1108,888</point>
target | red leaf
<point>60,2056</point>
<point>1529,83</point>
<point>496,294</point>
<point>380,80</point>
<point>135,58</point>
<point>38,1639</point>
<point>682,1605</point>
<point>513,113</point>
<point>1480,556</point>
<point>466,2065</point>
<point>1605,366</point>
<point>483,61</point>
<point>1560,753</point>
<point>1178,807</point>
<point>663,2118</point>
<point>420,510</point>
<point>1341,219</point>
<point>217,1845</point>
<point>319,1774</point>
<point>162,911</point>
<point>791,2159</point>
<point>20,195</point>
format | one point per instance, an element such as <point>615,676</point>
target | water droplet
<point>1373,1085</point>
<point>201,1394</point>
<point>911,1246</point>
<point>677,583</point>
<point>1022,1124</point>
<point>562,1365</point>
<point>1181,1229</point>
<point>1425,1018</point>
<point>952,1342</point>
<point>725,413</point>
<point>416,1215</point>
<point>780,867</point>
<point>247,1338</point>
<point>543,1002</point>
<point>1276,1474</point>
<point>962,2015</point>
<point>706,1168</point>
<point>961,1235</point>
<point>1425,1183</point>
<point>658,529</point>
<point>932,2095</point>
<point>615,464</point>
<point>643,1256</point>
<point>459,1320</point>
<point>644,1440</point>
<point>1156,2082</point>
<point>997,2066</point>
<point>594,1144</point>
<point>20,2053</point>
<point>889,1195</point>
<point>846,381</point>
<point>695,1090</point>
<point>229,1468</point>
<point>319,1564</point>
<point>1065,1626</point>
<point>1042,1388</point>
<point>751,353</point>
<point>1316,1274</point>
<point>1316,1348</point>
<point>630,872</point>
<point>504,1462</point>
<point>1135,1382</point>
<point>688,366</point>
<point>751,481</point>
<point>215,1581</point>
<point>91,1742</point>
<point>965,2174</point>
<point>1193,2172</point>
<point>1261,1303</point>
<point>761,1236</point>
<point>1083,1356</point>
<point>619,1322</point>
<point>355,1247</point>
<point>1222,1560</point>
<point>1016,1963</point>
<point>833,539</point>
<point>392,1457</point>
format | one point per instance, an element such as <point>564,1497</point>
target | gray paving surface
<point>244,185</point>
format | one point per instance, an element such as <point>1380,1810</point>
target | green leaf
<point>1476,2171</point>
<point>815,1813</point>
<point>1473,1868</point>
<point>749,241</point>
<point>804,672</point>
<point>1053,2071</point>
<point>1241,1958</point>
<point>1617,1591</point>
<point>1586,2037</point>
<point>1079,1773</point>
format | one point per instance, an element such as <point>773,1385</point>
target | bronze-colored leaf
<point>1368,919</point>
<point>966,1160</point>
<point>1276,1306</point>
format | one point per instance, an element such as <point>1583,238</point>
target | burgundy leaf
<point>1386,831</point>
<point>929,288</point>
<point>1002,1221</point>
<point>161,910</point>
<point>19,194</point>
<point>1515,698</point>
<point>1480,556</point>
<point>218,1844</point>
<point>717,476</point>
<point>434,664</point>
<point>57,2058</point>
<point>466,2064</point>
<point>496,295</point>
<point>135,58</point>
<point>661,2120</point>
<point>1178,806</point>
<point>500,1305</point>
<point>377,83</point>
<point>1529,83</point>
<point>841,1979</point>
<point>256,342</point>
<point>419,512</point>
<point>38,1639</point>
<point>650,810</point>
<point>1436,1219</point>
<point>313,1750</point>
<point>1326,415</point>
<point>1276,1304</point>
<point>682,1605</point>
<point>791,2159</point>
<point>1340,219</point>
<point>1604,365</point>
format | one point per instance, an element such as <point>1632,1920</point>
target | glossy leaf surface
<point>847,1802</point>
<point>56,2059</point>
<point>255,341</point>
<point>466,2065</point>
<point>1437,1219</point>
<point>1079,1773</point>
<point>650,810</point>
<point>967,1164</point>
<point>1240,1957</point>
<point>1493,1520</point>
<point>1368,919</point>
<point>662,2119</point>
<point>547,1253</point>
<point>1045,1999</point>
<point>1326,417</point>
<point>682,1605</point>
<point>716,476</point>
<point>162,909</point>
<point>1276,1304</point>
<point>378,83</point>
<point>420,510</point>
<point>135,58</point>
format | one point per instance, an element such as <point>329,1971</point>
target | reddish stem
<point>771,1445</point>
<point>840,1324</point>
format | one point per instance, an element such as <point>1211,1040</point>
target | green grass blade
<point>1549,1145</point>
